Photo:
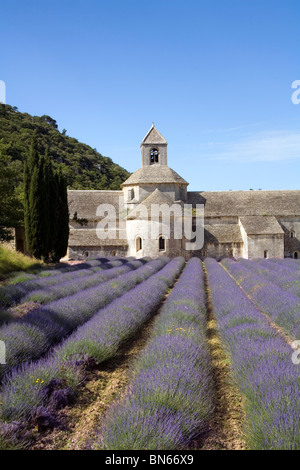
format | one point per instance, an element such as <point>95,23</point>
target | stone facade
<point>249,224</point>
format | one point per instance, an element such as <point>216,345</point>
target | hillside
<point>84,167</point>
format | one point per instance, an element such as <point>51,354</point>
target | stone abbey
<point>248,224</point>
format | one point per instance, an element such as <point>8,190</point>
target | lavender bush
<point>24,388</point>
<point>170,397</point>
<point>262,366</point>
<point>13,294</point>
<point>100,337</point>
<point>280,274</point>
<point>31,336</point>
<point>69,287</point>
<point>282,307</point>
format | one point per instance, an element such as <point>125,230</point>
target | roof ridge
<point>161,139</point>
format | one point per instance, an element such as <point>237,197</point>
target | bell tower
<point>154,148</point>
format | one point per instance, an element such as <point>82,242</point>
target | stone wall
<point>273,245</point>
<point>291,227</point>
<point>82,252</point>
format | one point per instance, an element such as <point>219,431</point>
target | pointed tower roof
<point>157,197</point>
<point>153,137</point>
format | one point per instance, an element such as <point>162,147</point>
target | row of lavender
<point>61,268</point>
<point>44,288</point>
<point>171,395</point>
<point>34,385</point>
<point>262,365</point>
<point>31,336</point>
<point>69,287</point>
<point>280,305</point>
<point>282,274</point>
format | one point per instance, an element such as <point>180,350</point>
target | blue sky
<point>214,76</point>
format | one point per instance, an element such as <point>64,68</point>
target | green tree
<point>46,207</point>
<point>10,208</point>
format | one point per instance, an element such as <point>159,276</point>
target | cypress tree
<point>30,164</point>
<point>36,231</point>
<point>46,207</point>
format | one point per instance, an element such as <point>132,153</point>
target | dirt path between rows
<point>278,329</point>
<point>107,383</point>
<point>104,384</point>
<point>225,429</point>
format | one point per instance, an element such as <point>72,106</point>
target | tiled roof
<point>245,203</point>
<point>88,237</point>
<point>261,225</point>
<point>222,233</point>
<point>154,174</point>
<point>157,197</point>
<point>86,202</point>
<point>153,137</point>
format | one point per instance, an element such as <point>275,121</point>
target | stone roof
<point>86,202</point>
<point>157,197</point>
<point>88,237</point>
<point>222,233</point>
<point>261,225</point>
<point>246,203</point>
<point>153,137</point>
<point>154,174</point>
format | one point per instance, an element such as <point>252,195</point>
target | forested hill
<point>84,167</point>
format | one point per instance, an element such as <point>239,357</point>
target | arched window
<point>292,233</point>
<point>153,156</point>
<point>266,254</point>
<point>162,244</point>
<point>296,255</point>
<point>139,244</point>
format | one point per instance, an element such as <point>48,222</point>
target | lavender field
<point>158,354</point>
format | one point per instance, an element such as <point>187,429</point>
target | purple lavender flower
<point>261,362</point>
<point>30,337</point>
<point>170,397</point>
<point>99,338</point>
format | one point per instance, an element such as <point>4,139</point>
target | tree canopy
<point>83,166</point>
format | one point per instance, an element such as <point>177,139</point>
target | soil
<point>104,384</point>
<point>107,383</point>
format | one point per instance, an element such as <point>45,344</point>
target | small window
<point>296,255</point>
<point>153,156</point>
<point>139,244</point>
<point>130,194</point>
<point>86,253</point>
<point>162,244</point>
<point>292,234</point>
<point>266,254</point>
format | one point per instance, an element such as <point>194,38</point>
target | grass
<point>13,261</point>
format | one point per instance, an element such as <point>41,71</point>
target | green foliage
<point>46,206</point>
<point>12,261</point>
<point>83,167</point>
<point>11,205</point>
